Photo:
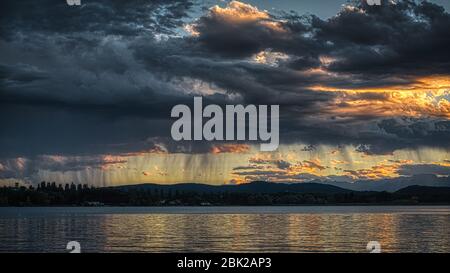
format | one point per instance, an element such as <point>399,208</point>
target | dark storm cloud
<point>279,163</point>
<point>19,74</point>
<point>366,40</point>
<point>413,133</point>
<point>69,83</point>
<point>101,79</point>
<point>101,16</point>
<point>29,167</point>
<point>33,130</point>
<point>390,39</point>
<point>251,82</point>
<point>240,31</point>
<point>415,169</point>
<point>74,55</point>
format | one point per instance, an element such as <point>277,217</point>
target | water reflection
<point>208,232</point>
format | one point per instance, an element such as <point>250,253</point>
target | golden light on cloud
<point>424,97</point>
<point>190,29</point>
<point>375,172</point>
<point>269,57</point>
<point>437,85</point>
<point>338,162</point>
<point>113,161</point>
<point>312,166</point>
<point>239,12</point>
<point>406,103</point>
<point>433,83</point>
<point>322,163</point>
<point>236,14</point>
<point>232,164</point>
<point>230,148</point>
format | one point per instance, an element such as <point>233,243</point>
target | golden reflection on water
<point>276,232</point>
<point>296,229</point>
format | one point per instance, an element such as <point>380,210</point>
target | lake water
<point>226,229</point>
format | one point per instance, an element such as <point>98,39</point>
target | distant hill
<point>253,187</point>
<point>422,190</point>
<point>413,194</point>
<point>425,194</point>
<point>392,184</point>
<point>417,182</point>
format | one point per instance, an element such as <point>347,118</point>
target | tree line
<point>50,194</point>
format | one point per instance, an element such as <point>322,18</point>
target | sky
<point>86,91</point>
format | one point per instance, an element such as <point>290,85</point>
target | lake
<point>226,229</point>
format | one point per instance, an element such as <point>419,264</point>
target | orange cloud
<point>109,161</point>
<point>230,148</point>
<point>396,168</point>
<point>424,97</point>
<point>384,170</point>
<point>336,162</point>
<point>236,14</point>
<point>313,166</point>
